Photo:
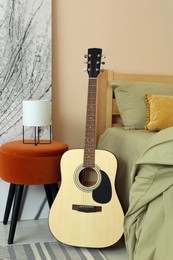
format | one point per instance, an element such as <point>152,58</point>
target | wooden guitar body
<point>87,213</point>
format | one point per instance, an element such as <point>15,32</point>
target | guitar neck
<point>90,138</point>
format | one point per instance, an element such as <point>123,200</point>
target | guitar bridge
<point>86,208</point>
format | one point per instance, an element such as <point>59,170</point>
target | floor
<point>38,231</point>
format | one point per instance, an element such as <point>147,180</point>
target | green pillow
<point>130,98</point>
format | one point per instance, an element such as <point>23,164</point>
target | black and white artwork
<point>25,66</point>
<point>25,60</point>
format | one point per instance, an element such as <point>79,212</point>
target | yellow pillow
<point>159,112</point>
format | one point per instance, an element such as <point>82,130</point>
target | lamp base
<point>36,136</point>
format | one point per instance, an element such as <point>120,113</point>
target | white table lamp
<point>36,113</point>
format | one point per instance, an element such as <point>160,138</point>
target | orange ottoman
<point>27,164</point>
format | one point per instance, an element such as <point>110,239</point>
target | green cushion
<point>130,98</point>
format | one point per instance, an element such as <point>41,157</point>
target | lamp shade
<point>36,113</point>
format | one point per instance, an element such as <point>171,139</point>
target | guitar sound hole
<point>88,177</point>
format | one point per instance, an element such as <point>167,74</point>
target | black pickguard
<point>103,193</point>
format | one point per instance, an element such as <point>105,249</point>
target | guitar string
<point>89,156</point>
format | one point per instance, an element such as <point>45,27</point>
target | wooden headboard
<point>107,111</point>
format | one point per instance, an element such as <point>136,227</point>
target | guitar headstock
<point>94,62</point>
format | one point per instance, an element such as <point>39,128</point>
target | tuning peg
<point>85,69</point>
<point>103,63</point>
<point>103,56</point>
<point>87,62</point>
<point>102,69</point>
<point>85,56</point>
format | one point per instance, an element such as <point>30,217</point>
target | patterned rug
<point>49,251</point>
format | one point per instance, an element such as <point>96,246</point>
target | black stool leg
<point>9,202</point>
<point>48,194</point>
<point>16,207</point>
<point>54,188</point>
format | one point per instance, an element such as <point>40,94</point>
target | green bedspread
<point>127,147</point>
<point>148,223</point>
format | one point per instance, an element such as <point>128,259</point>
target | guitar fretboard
<point>90,142</point>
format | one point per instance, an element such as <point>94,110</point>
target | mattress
<point>126,145</point>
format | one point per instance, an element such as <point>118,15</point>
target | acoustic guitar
<point>86,211</point>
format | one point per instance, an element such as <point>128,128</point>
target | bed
<point>134,122</point>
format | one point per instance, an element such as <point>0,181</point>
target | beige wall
<point>136,36</point>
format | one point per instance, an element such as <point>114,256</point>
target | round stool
<point>27,164</point>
